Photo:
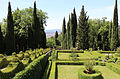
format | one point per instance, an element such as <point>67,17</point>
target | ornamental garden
<point>85,49</point>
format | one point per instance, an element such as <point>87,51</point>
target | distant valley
<point>50,33</point>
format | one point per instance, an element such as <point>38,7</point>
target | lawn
<point>71,72</point>
<point>86,55</point>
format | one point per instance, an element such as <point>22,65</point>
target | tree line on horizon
<point>22,30</point>
<point>87,33</point>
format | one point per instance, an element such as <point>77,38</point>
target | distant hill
<point>50,33</point>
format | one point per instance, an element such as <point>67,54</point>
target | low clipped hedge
<point>70,51</point>
<point>109,51</point>
<point>11,69</point>
<point>83,75</point>
<point>114,67</point>
<point>47,71</point>
<point>70,62</point>
<point>34,70</point>
<point>101,63</point>
<point>53,71</point>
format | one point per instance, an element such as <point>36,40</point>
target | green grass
<point>71,72</point>
<point>86,55</point>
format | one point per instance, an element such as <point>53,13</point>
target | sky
<point>58,9</point>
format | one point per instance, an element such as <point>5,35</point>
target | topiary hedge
<point>11,69</point>
<point>83,75</point>
<point>34,70</point>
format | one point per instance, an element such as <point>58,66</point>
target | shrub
<point>117,55</point>
<point>73,55</point>
<point>102,63</point>
<point>26,55</point>
<point>34,70</point>
<point>3,63</point>
<point>15,59</point>
<point>1,55</point>
<point>11,69</point>
<point>89,66</point>
<point>118,49</point>
<point>83,75</point>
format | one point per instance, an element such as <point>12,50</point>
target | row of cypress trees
<point>76,33</point>
<point>69,33</point>
<point>36,34</point>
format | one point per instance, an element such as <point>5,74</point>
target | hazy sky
<point>58,9</point>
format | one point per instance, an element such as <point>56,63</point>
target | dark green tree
<point>10,38</point>
<point>43,35</point>
<point>114,34</point>
<point>56,36</point>
<point>36,30</point>
<point>110,33</point>
<point>82,30</point>
<point>68,33</point>
<point>115,28</point>
<point>1,42</point>
<point>74,23</point>
<point>64,34</point>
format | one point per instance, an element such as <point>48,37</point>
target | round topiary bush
<point>95,75</point>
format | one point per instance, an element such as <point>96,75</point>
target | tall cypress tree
<point>68,34</point>
<point>74,26</point>
<point>10,38</point>
<point>1,42</point>
<point>115,24</point>
<point>114,37</point>
<point>72,30</point>
<point>82,30</point>
<point>64,34</point>
<point>56,36</point>
<point>36,29</point>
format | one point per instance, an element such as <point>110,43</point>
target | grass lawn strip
<point>71,72</point>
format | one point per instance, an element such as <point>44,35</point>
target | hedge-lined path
<point>71,72</point>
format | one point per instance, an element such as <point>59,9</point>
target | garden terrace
<point>64,67</point>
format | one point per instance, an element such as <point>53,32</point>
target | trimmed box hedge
<point>34,70</point>
<point>70,51</point>
<point>47,71</point>
<point>83,75</point>
<point>11,69</point>
<point>53,71</point>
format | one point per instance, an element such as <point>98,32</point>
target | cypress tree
<point>1,42</point>
<point>64,34</point>
<point>82,30</point>
<point>56,36</point>
<point>114,37</point>
<point>36,29</point>
<point>72,31</point>
<point>74,26</point>
<point>115,26</point>
<point>10,38</point>
<point>68,34</point>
